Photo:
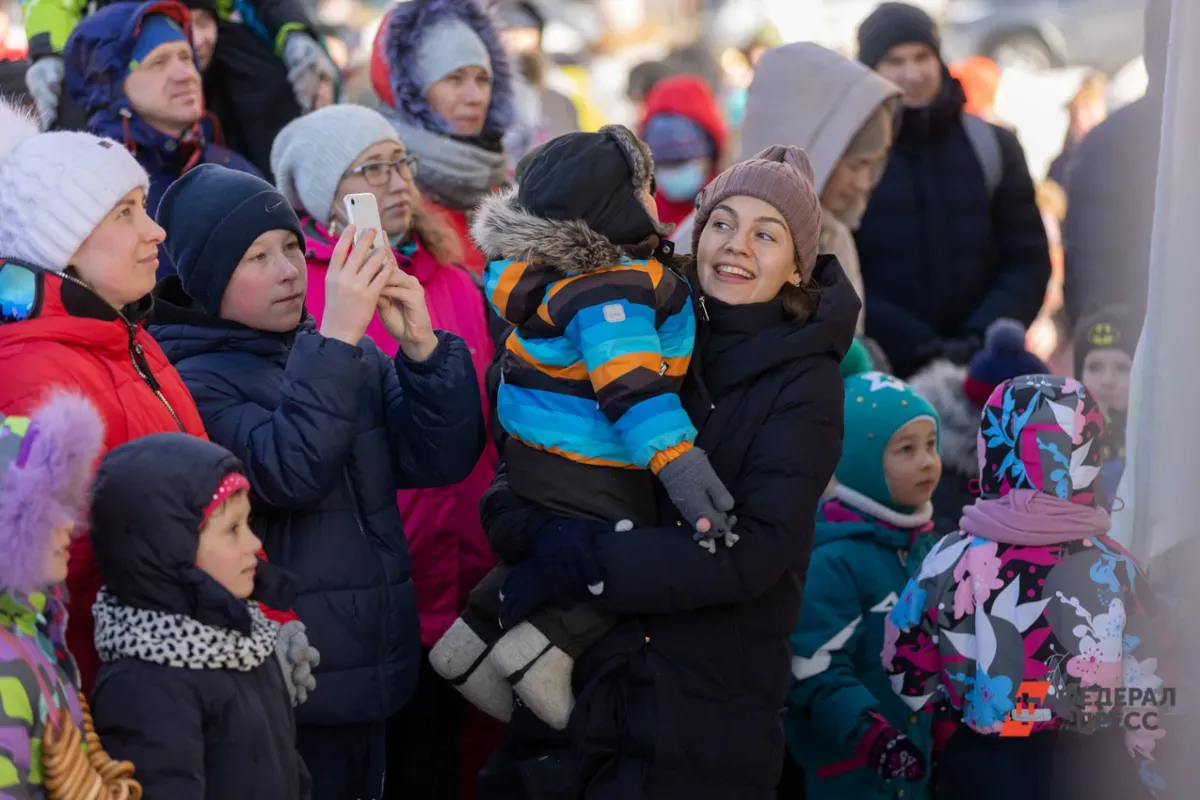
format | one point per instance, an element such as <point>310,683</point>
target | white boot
<point>545,685</point>
<point>460,657</point>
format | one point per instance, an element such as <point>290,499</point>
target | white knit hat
<point>314,151</point>
<point>55,188</point>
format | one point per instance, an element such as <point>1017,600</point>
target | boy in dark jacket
<point>844,724</point>
<point>589,394</point>
<point>329,428</point>
<point>190,689</point>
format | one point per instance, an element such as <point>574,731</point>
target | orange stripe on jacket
<point>504,286</point>
<point>620,366</point>
<point>575,372</point>
<point>664,457</point>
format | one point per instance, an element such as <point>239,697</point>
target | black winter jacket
<point>328,433</point>
<point>940,259</point>
<point>194,732</point>
<point>682,698</point>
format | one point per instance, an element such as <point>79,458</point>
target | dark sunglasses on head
<point>20,291</point>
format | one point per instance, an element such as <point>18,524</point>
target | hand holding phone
<point>356,275</point>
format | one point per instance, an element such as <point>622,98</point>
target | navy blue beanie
<point>1002,358</point>
<point>212,215</point>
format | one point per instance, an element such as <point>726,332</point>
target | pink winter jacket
<point>449,551</point>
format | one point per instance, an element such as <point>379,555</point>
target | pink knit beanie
<point>781,176</point>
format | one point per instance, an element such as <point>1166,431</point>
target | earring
<point>795,281</point>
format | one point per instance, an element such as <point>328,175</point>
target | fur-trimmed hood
<point>503,229</point>
<point>394,70</point>
<point>941,383</point>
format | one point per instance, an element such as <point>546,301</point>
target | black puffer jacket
<point>940,261</point>
<point>682,698</point>
<point>195,731</point>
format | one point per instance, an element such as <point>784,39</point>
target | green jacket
<point>858,569</point>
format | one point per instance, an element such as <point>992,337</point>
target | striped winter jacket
<point>601,342</point>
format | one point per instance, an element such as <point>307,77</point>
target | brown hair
<point>435,234</point>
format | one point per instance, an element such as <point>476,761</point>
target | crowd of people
<point>708,458</point>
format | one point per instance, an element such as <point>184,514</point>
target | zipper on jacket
<point>353,503</point>
<point>137,355</point>
<point>704,309</point>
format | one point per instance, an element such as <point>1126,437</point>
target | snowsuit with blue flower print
<point>1032,590</point>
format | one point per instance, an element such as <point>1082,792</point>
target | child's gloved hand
<point>562,569</point>
<point>44,79</point>
<point>308,66</point>
<point>698,493</point>
<point>298,659</point>
<point>893,756</point>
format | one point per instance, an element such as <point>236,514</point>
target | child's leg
<point>461,655</point>
<point>537,657</point>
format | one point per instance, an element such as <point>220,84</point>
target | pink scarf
<point>1030,518</point>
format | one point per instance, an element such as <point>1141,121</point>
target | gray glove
<point>298,659</point>
<point>44,79</point>
<point>307,64</point>
<point>699,494</point>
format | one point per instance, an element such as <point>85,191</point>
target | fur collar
<point>941,384</point>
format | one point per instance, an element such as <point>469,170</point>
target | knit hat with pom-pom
<point>55,188</point>
<point>1002,358</point>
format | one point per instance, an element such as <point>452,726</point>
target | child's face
<point>1106,375</point>
<point>228,548</point>
<point>57,558</point>
<point>911,463</point>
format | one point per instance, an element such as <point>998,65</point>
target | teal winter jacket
<point>859,567</point>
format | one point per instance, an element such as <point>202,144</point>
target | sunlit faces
<point>916,69</point>
<point>746,253</point>
<point>911,463</point>
<point>382,171</point>
<point>164,89</point>
<point>119,259</point>
<point>228,549</point>
<point>1106,375</point>
<point>462,98</point>
<point>266,291</point>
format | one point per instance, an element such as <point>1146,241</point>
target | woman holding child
<point>682,697</point>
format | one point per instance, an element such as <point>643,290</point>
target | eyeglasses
<point>20,292</point>
<point>378,173</point>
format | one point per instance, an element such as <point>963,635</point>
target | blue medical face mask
<point>682,182</point>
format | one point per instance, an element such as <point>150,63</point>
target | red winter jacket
<point>77,341</point>
<point>446,542</point>
<point>685,96</point>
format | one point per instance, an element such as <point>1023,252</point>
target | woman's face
<point>746,253</point>
<point>462,98</point>
<point>119,259</point>
<point>849,187</point>
<point>57,557</point>
<point>386,176</point>
<point>267,289</point>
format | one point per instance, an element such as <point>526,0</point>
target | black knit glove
<point>893,756</point>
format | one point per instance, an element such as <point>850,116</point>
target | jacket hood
<point>148,503</point>
<point>1042,433</point>
<point>394,71</point>
<point>688,96</point>
<point>812,98</point>
<point>941,383</point>
<point>184,330</point>
<point>502,229</point>
<point>97,58</point>
<point>743,342</point>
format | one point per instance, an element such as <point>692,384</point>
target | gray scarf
<point>453,173</point>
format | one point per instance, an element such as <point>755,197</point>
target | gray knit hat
<point>449,44</point>
<point>313,152</point>
<point>781,176</point>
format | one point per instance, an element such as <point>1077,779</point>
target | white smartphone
<point>362,211</point>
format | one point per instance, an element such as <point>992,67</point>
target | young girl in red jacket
<point>318,159</point>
